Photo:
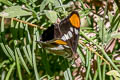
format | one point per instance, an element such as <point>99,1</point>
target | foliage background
<point>22,58</point>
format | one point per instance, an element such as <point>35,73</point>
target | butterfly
<point>62,38</point>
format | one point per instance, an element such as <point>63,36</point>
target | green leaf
<point>14,11</point>
<point>24,1</point>
<point>115,35</point>
<point>56,3</point>
<point>6,2</point>
<point>101,34</point>
<point>52,15</point>
<point>43,4</point>
<point>114,73</point>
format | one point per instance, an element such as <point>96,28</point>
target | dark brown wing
<point>51,33</point>
<point>69,28</point>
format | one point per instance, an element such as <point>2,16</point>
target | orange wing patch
<point>60,42</point>
<point>75,20</point>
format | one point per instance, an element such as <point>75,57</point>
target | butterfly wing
<point>62,36</point>
<point>69,28</point>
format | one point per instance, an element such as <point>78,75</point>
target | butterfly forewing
<point>69,28</point>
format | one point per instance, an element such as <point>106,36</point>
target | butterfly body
<point>62,38</point>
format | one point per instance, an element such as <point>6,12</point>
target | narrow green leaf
<point>33,52</point>
<point>52,15</point>
<point>80,54</point>
<point>104,70</point>
<point>22,60</point>
<point>24,1</point>
<point>3,63</point>
<point>14,11</point>
<point>43,4</point>
<point>6,2</point>
<point>88,66</point>
<point>115,35</point>
<point>95,76</point>
<point>18,65</point>
<point>10,71</point>
<point>69,73</point>
<point>99,67</point>
<point>10,51</point>
<point>2,38</point>
<point>4,49</point>
<point>114,73</point>
<point>66,75</point>
<point>27,56</point>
